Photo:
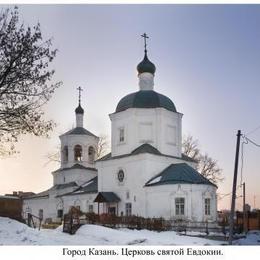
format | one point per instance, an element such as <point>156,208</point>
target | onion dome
<point>146,65</point>
<point>145,99</point>
<point>79,110</point>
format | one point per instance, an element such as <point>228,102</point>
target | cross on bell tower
<point>79,89</point>
<point>79,111</point>
<point>145,37</point>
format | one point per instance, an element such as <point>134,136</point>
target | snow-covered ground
<point>15,233</point>
<point>252,238</point>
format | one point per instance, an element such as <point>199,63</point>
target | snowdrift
<point>13,232</point>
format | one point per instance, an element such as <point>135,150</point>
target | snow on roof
<point>9,197</point>
<point>157,179</point>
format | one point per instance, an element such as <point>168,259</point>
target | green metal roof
<point>145,148</point>
<point>79,131</point>
<point>79,110</point>
<point>107,197</point>
<point>146,65</point>
<point>86,188</point>
<point>76,166</point>
<point>179,173</point>
<point>145,99</point>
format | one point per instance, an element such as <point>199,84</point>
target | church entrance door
<point>112,210</point>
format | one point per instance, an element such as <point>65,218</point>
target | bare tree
<point>206,166</point>
<point>24,80</point>
<point>190,147</point>
<point>209,168</point>
<point>103,146</point>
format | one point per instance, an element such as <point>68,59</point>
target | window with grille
<point>128,209</point>
<point>121,135</point>
<point>121,176</point>
<point>179,206</point>
<point>90,208</point>
<point>40,214</point>
<point>207,206</point>
<point>60,213</point>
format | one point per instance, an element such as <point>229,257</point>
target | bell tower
<point>78,146</point>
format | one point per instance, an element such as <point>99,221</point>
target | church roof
<point>145,99</point>
<point>79,131</point>
<point>87,187</point>
<point>145,148</point>
<point>179,173</point>
<point>107,197</point>
<point>76,166</point>
<point>65,185</point>
<point>43,194</point>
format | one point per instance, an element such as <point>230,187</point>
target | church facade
<point>145,174</point>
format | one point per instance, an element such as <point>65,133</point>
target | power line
<point>252,142</point>
<point>242,159</point>
<point>254,130</point>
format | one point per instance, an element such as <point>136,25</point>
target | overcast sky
<point>207,59</point>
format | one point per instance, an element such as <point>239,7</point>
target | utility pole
<point>244,208</point>
<point>231,221</point>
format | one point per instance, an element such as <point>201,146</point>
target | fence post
<point>258,217</point>
<point>207,228</point>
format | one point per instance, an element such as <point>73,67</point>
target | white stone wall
<point>157,126</point>
<point>138,169</point>
<point>52,204</point>
<point>83,201</point>
<point>161,201</point>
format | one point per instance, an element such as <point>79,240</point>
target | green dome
<point>146,66</point>
<point>145,99</point>
<point>79,110</point>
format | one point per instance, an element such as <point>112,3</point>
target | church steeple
<point>146,70</point>
<point>79,111</point>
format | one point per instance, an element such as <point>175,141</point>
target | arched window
<point>91,154</point>
<point>65,153</point>
<point>78,153</point>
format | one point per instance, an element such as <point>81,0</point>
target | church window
<point>121,176</point>
<point>171,135</point>
<point>60,213</point>
<point>40,214</point>
<point>127,195</point>
<point>128,209</point>
<point>91,154</point>
<point>146,132</point>
<point>65,153</point>
<point>90,208</point>
<point>207,206</point>
<point>78,153</point>
<point>121,135</point>
<point>179,206</point>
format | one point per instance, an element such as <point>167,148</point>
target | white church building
<point>145,174</point>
